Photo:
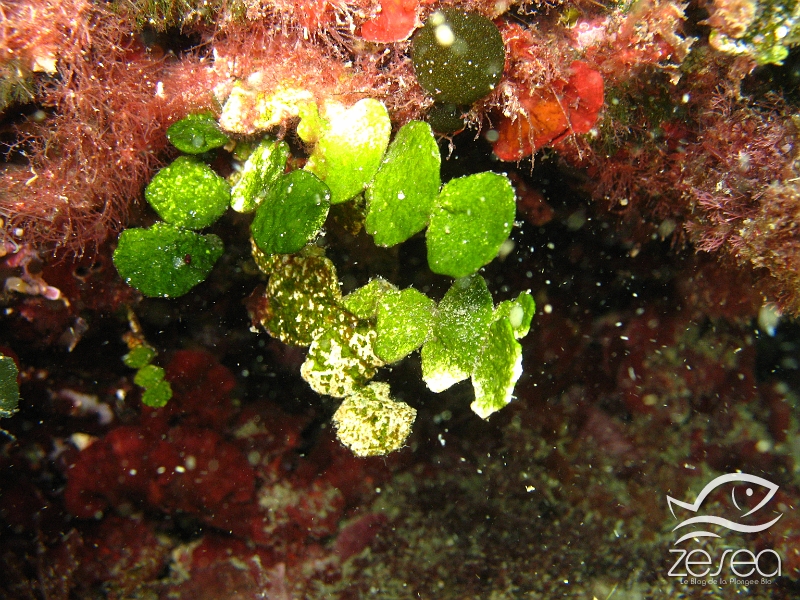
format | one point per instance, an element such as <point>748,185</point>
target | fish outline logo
<point>722,522</point>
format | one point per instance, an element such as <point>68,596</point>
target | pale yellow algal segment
<point>340,370</point>
<point>371,423</point>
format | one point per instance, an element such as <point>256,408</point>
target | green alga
<point>348,338</point>
<point>165,261</point>
<point>195,134</point>
<point>350,143</point>
<point>292,213</point>
<point>156,390</point>
<point>399,205</point>
<point>261,169</point>
<point>472,219</point>
<point>371,423</point>
<point>188,193</point>
<point>9,387</point>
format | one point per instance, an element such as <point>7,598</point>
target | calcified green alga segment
<point>404,322</point>
<point>472,219</point>
<point>462,318</point>
<point>165,261</point>
<point>139,356</point>
<point>188,193</point>
<point>195,134</point>
<point>9,387</point>
<point>400,198</point>
<point>292,213</point>
<point>341,360</point>
<point>157,395</point>
<point>371,423</point>
<point>304,297</point>
<point>363,302</point>
<point>260,171</point>
<point>497,370</point>
<point>350,145</point>
<point>519,312</point>
<point>440,369</point>
<point>148,376</point>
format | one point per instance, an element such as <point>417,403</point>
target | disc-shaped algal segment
<point>458,56</point>
<point>472,219</point>
<point>291,214</point>
<point>188,193</point>
<point>165,261</point>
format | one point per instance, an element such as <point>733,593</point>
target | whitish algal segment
<point>371,423</point>
<point>304,296</point>
<point>259,172</point>
<point>341,360</point>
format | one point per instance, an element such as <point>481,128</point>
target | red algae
<point>656,181</point>
<point>396,22</point>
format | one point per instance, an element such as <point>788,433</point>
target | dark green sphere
<point>458,57</point>
<point>445,118</point>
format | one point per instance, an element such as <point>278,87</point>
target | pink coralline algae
<point>191,471</point>
<point>175,462</point>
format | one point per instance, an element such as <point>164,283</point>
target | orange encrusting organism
<point>547,116</point>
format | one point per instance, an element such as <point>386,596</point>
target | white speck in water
<point>506,248</point>
<point>768,318</point>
